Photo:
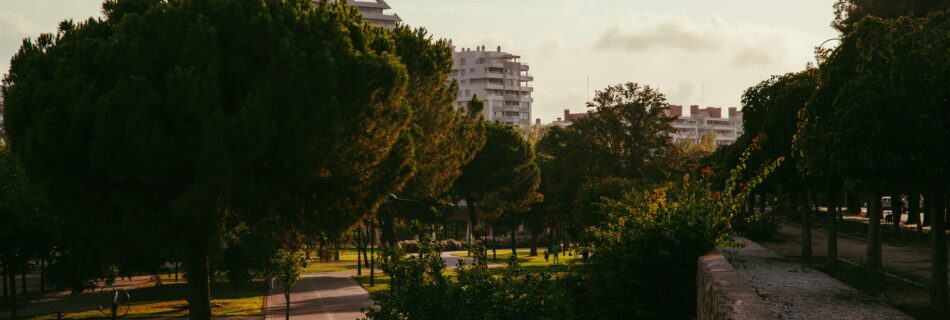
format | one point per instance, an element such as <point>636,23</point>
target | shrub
<point>419,290</point>
<point>452,245</point>
<point>646,254</point>
<point>409,246</point>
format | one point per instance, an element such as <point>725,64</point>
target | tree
<point>850,12</point>
<point>21,210</point>
<point>770,118</point>
<point>502,178</point>
<point>286,267</point>
<point>445,137</point>
<point>887,75</point>
<point>160,114</point>
<point>630,132</point>
<point>625,137</point>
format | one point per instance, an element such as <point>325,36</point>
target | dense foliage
<point>420,289</point>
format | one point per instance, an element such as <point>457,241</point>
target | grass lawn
<point>317,267</point>
<point>346,254</point>
<point>530,264</point>
<point>381,281</point>
<point>169,301</point>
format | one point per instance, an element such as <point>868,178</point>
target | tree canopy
<point>181,115</point>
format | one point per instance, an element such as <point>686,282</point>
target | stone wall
<point>723,294</point>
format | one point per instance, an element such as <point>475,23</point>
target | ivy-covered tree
<point>886,76</point>
<point>770,118</point>
<point>184,114</point>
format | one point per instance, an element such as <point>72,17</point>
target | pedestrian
<point>556,249</point>
<point>546,255</point>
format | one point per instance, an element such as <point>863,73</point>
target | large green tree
<point>849,12</point>
<point>886,76</point>
<point>503,177</point>
<point>184,114</point>
<point>770,119</point>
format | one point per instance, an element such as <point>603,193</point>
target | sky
<point>694,51</point>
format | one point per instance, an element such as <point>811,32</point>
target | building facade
<point>499,79</point>
<point>692,128</point>
<point>374,11</point>
<point>703,121</point>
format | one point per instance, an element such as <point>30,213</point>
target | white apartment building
<point>497,78</point>
<point>374,11</point>
<point>702,121</point>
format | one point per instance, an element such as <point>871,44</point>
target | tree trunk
<point>913,208</point>
<point>6,269</point>
<point>336,245</point>
<point>938,261</point>
<point>514,244</point>
<point>12,277</point>
<point>359,254</point>
<point>388,226</point>
<point>853,203</point>
<point>372,257</point>
<point>43,274</point>
<point>286,303</point>
<point>805,211</point>
<point>199,285</point>
<point>875,211</point>
<point>23,266</point>
<point>762,202</point>
<point>494,243</point>
<point>473,224</point>
<point>833,228</point>
<point>928,204</point>
<point>534,242</point>
<point>897,210</point>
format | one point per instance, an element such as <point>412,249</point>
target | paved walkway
<point>319,296</point>
<point>908,261</point>
<point>795,292</point>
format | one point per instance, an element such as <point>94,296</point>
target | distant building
<point>691,128</point>
<point>373,11</point>
<point>497,78</point>
<point>702,121</point>
<point>569,118</point>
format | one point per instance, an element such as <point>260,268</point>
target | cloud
<point>664,32</point>
<point>757,56</point>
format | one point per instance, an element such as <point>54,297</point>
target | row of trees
<point>229,134</point>
<point>869,119</point>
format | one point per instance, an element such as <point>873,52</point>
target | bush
<point>646,254</point>
<point>758,227</point>
<point>419,290</point>
<point>409,246</point>
<point>452,245</point>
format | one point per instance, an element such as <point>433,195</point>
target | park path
<point>333,295</point>
<point>910,261</point>
<point>321,296</point>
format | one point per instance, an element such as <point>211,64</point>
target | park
<point>279,159</point>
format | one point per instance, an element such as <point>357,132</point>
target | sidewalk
<point>910,261</point>
<point>325,295</point>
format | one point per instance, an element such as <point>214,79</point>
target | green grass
<point>346,254</point>
<point>168,301</point>
<point>318,267</point>
<point>531,264</point>
<point>381,282</point>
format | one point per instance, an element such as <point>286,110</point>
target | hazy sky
<point>675,45</point>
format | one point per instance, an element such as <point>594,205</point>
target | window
<point>472,70</point>
<point>462,62</point>
<point>512,114</point>
<point>468,93</point>
<point>463,72</point>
